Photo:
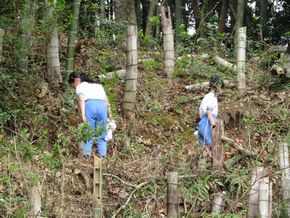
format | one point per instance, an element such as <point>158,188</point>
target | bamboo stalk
<point>129,98</point>
<point>241,58</point>
<point>2,33</point>
<point>168,41</point>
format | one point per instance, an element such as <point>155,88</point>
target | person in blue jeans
<point>94,109</point>
<point>208,112</point>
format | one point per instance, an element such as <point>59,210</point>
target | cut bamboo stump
<point>97,188</point>
<point>218,202</point>
<point>241,58</point>
<point>172,195</point>
<point>129,99</point>
<point>217,149</point>
<point>284,166</point>
<point>253,209</point>
<point>35,201</point>
<point>265,198</point>
<point>168,41</point>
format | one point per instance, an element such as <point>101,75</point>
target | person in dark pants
<point>94,108</point>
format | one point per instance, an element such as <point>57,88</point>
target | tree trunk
<point>23,49</point>
<point>172,195</point>
<point>132,17</point>
<point>168,41</point>
<point>72,39</point>
<point>53,63</point>
<point>178,17</point>
<point>2,33</point>
<point>241,59</point>
<point>152,9</point>
<point>35,201</point>
<point>129,100</point>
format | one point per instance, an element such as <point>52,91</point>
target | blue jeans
<point>96,112</point>
<point>204,131</point>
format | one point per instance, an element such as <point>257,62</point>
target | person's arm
<point>109,107</point>
<point>210,118</point>
<point>82,108</point>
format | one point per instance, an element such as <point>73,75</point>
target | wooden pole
<point>284,166</point>
<point>241,58</point>
<point>97,188</point>
<point>35,201</point>
<point>265,198</point>
<point>253,208</point>
<point>172,195</point>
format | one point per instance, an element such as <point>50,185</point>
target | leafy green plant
<point>151,65</point>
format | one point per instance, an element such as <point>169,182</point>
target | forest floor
<point>164,141</point>
<point>167,116</point>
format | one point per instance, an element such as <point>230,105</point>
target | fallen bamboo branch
<point>203,85</point>
<point>118,178</point>
<point>129,198</point>
<point>240,148</point>
<point>218,60</point>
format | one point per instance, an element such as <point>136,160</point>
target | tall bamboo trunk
<point>23,49</point>
<point>152,9</point>
<point>241,58</point>
<point>253,208</point>
<point>53,63</point>
<point>197,15</point>
<point>178,17</point>
<point>239,21</point>
<point>284,166</point>
<point>2,33</point>
<point>168,41</point>
<point>129,99</point>
<point>222,17</point>
<point>72,38</point>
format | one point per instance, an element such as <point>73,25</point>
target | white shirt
<point>209,102</point>
<point>91,91</point>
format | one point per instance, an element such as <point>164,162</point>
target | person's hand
<point>84,119</point>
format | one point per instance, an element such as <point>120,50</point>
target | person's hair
<point>215,82</point>
<point>83,76</point>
